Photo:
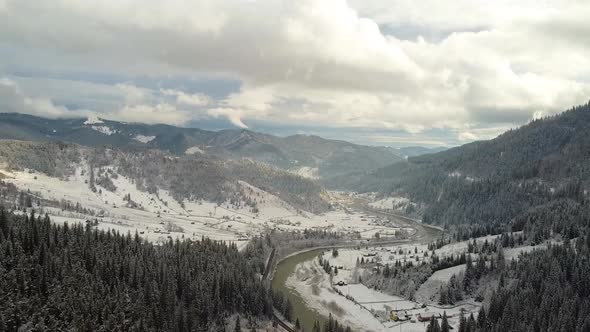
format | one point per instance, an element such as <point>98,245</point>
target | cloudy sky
<point>384,72</point>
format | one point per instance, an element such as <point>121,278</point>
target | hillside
<point>310,156</point>
<point>493,181</point>
<point>190,177</point>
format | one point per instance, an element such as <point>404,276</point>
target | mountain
<point>310,156</point>
<point>191,178</point>
<point>494,181</point>
<point>414,151</point>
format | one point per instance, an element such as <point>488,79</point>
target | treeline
<point>75,278</point>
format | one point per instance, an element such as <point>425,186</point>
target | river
<point>286,267</point>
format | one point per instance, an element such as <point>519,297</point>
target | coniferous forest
<point>58,278</point>
<point>547,290</point>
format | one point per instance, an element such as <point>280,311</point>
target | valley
<point>421,242</point>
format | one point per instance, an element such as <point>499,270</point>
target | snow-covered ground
<point>144,139</point>
<point>194,150</point>
<point>389,202</point>
<point>369,310</point>
<point>514,253</point>
<point>308,172</point>
<point>157,212</point>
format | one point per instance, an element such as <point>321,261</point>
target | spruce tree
<point>481,318</point>
<point>444,325</point>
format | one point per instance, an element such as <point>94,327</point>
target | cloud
<point>160,113</point>
<point>196,99</point>
<point>331,63</point>
<point>13,101</point>
<point>132,107</point>
<point>233,115</point>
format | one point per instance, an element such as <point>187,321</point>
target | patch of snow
<point>514,253</point>
<point>104,129</point>
<point>194,150</point>
<point>144,139</point>
<point>389,202</point>
<point>308,172</point>
<point>93,119</point>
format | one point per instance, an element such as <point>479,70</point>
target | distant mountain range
<point>310,156</point>
<point>413,151</point>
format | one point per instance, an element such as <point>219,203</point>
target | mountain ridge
<point>494,181</point>
<point>330,157</point>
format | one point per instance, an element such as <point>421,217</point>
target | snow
<point>389,202</point>
<point>144,139</point>
<point>446,274</point>
<point>104,129</point>
<point>308,172</point>
<point>369,311</point>
<point>93,119</point>
<point>196,218</point>
<point>514,253</point>
<point>194,150</point>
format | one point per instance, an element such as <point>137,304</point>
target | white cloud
<point>160,113</point>
<point>13,100</point>
<point>196,99</point>
<point>132,107</point>
<point>322,62</point>
<point>233,115</point>
<point>467,136</point>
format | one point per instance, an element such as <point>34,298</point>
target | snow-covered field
<point>514,253</point>
<point>308,172</point>
<point>159,216</point>
<point>370,310</point>
<point>389,202</point>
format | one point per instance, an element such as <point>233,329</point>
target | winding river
<point>286,267</point>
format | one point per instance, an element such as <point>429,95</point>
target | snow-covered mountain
<point>328,158</point>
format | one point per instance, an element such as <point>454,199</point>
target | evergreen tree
<point>481,318</point>
<point>316,326</point>
<point>444,326</point>
<point>433,326</point>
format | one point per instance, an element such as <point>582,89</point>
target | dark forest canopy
<point>69,277</point>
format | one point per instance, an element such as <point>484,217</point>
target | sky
<point>378,72</point>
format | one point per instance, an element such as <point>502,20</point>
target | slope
<point>493,181</point>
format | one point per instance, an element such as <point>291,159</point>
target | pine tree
<point>462,323</point>
<point>316,327</point>
<point>481,318</point>
<point>444,326</point>
<point>433,326</point>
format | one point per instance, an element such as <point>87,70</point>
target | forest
<point>522,169</point>
<point>194,177</point>
<point>75,278</point>
<point>547,290</point>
